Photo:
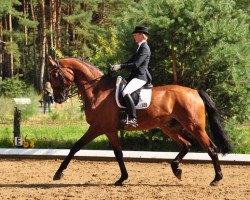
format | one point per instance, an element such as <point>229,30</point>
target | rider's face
<point>138,37</point>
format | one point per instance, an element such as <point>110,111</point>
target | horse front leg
<point>114,141</point>
<point>91,134</point>
<point>124,174</point>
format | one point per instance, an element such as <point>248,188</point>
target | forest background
<point>195,43</point>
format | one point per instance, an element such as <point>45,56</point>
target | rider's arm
<point>137,59</point>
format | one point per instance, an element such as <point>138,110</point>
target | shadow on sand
<point>62,185</point>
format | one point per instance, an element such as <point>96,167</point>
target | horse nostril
<point>59,101</point>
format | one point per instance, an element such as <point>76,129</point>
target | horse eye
<point>54,76</point>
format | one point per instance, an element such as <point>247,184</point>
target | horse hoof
<point>214,183</point>
<point>118,183</point>
<point>178,173</point>
<point>57,176</point>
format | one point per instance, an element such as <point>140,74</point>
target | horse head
<point>61,78</point>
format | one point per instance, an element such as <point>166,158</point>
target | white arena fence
<point>108,155</point>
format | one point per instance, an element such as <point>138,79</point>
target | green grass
<point>51,136</point>
<point>63,136</point>
<point>59,129</point>
<point>7,106</point>
<point>66,124</point>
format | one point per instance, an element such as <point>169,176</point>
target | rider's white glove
<point>115,67</point>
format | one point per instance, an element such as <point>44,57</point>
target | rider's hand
<point>115,67</point>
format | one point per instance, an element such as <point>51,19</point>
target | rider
<point>139,75</point>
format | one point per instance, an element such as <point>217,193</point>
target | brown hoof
<point>178,173</point>
<point>58,176</point>
<point>118,183</point>
<point>214,183</point>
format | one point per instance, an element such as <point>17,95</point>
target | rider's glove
<point>115,67</point>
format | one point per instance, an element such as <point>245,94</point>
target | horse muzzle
<point>60,100</point>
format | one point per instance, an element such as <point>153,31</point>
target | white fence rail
<point>107,155</point>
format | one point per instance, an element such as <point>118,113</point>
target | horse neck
<point>85,72</point>
<point>86,79</point>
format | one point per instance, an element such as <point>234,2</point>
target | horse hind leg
<point>175,133</point>
<point>203,139</point>
<point>212,152</point>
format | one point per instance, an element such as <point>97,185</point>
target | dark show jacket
<point>138,64</point>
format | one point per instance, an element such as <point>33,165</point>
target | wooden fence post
<point>18,141</point>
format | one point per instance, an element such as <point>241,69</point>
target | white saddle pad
<point>144,99</point>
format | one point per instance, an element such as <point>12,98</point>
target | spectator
<point>47,97</point>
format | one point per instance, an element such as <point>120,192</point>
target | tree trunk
<point>43,44</point>
<point>182,71</point>
<point>53,26</point>
<point>72,26</point>
<point>1,47</point>
<point>34,57</point>
<point>11,67</point>
<point>58,27</point>
<point>25,52</point>
<point>174,61</point>
<point>6,62</point>
<point>67,24</point>
<point>101,16</point>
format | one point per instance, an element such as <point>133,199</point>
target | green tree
<point>81,31</point>
<point>200,44</point>
<point>9,37</point>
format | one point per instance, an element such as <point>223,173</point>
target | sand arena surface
<point>32,179</point>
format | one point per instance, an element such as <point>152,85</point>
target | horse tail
<point>218,133</point>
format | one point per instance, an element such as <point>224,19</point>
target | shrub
<point>239,136</point>
<point>13,87</point>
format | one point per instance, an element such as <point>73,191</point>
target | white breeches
<point>133,85</point>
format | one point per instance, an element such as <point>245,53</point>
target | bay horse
<point>172,109</point>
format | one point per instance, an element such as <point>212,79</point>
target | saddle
<point>141,97</point>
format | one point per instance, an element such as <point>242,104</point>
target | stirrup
<point>130,122</point>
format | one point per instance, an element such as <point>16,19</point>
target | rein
<point>72,90</point>
<point>92,81</point>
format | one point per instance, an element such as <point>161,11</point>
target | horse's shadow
<point>62,185</point>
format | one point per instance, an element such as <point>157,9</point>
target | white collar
<point>139,44</point>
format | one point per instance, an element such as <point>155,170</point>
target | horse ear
<point>52,62</point>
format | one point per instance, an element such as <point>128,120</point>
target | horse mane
<point>108,76</point>
<point>81,59</point>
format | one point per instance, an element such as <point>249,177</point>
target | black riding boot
<point>131,120</point>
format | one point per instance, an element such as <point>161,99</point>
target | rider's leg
<point>130,111</point>
<point>132,86</point>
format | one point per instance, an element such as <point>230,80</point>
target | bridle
<point>71,90</point>
<point>65,91</point>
